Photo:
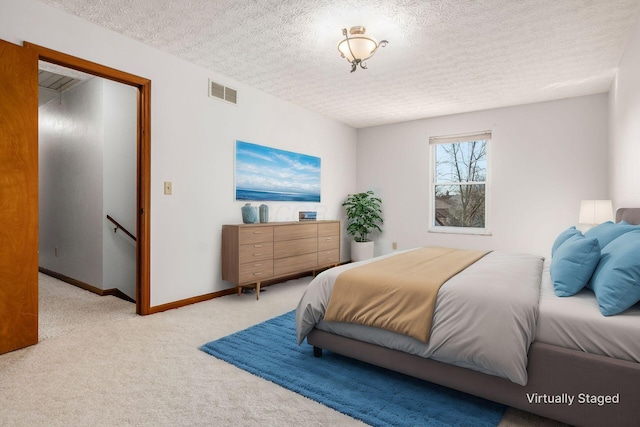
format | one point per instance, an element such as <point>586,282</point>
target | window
<point>459,183</point>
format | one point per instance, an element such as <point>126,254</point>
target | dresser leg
<point>239,290</point>
<point>258,291</point>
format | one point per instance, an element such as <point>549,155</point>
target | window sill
<point>461,230</point>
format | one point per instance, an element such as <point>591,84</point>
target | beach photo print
<point>265,173</point>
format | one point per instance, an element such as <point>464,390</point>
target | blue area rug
<point>376,396</point>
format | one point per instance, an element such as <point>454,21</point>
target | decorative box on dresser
<point>253,253</point>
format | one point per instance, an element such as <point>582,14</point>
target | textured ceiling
<point>443,56</point>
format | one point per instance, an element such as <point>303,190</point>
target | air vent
<point>231,95</point>
<point>216,90</point>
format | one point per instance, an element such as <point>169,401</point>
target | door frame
<point>143,175</point>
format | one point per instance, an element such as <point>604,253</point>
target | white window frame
<point>453,139</point>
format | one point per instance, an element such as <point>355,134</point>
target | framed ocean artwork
<point>266,173</point>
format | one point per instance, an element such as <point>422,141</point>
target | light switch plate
<point>168,188</point>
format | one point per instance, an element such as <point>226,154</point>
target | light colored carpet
<point>109,367</point>
<point>63,308</point>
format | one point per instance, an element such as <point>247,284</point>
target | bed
<point>575,355</point>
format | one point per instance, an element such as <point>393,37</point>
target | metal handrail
<point>121,228</point>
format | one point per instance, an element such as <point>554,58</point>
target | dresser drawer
<point>331,256</point>
<point>256,271</point>
<point>295,231</point>
<point>294,247</point>
<point>328,242</point>
<point>255,235</point>
<point>329,229</point>
<point>295,264</point>
<point>256,252</point>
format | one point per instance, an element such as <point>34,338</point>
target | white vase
<point>361,251</point>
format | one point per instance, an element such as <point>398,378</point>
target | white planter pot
<point>361,250</point>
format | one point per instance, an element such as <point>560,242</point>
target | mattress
<point>484,317</point>
<point>576,323</point>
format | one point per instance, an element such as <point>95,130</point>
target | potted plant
<point>363,217</point>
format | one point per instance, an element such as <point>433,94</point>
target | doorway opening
<point>143,156</point>
<point>86,179</point>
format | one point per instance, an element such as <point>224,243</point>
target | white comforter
<point>484,318</point>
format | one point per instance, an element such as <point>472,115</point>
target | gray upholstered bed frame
<point>552,371</point>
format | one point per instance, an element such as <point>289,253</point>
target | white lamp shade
<point>361,46</point>
<point>594,212</point>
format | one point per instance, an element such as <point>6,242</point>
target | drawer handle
<point>257,254</point>
<point>257,265</point>
<point>257,232</point>
<point>329,238</point>
<point>257,274</point>
<point>257,246</point>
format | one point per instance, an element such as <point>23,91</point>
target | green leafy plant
<point>363,215</point>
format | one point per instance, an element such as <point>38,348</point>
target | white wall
<point>624,127</point>
<point>192,142</point>
<point>545,158</point>
<point>119,186</point>
<point>70,184</point>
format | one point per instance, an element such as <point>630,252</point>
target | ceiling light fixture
<point>357,48</point>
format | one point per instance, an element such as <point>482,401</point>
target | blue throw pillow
<point>608,231</point>
<point>573,264</point>
<point>562,237</point>
<point>616,280</point>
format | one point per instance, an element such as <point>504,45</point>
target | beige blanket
<point>397,293</point>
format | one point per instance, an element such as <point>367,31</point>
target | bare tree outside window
<point>460,184</point>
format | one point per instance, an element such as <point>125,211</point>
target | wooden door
<point>18,197</point>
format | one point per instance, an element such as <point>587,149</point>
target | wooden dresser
<point>253,253</point>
